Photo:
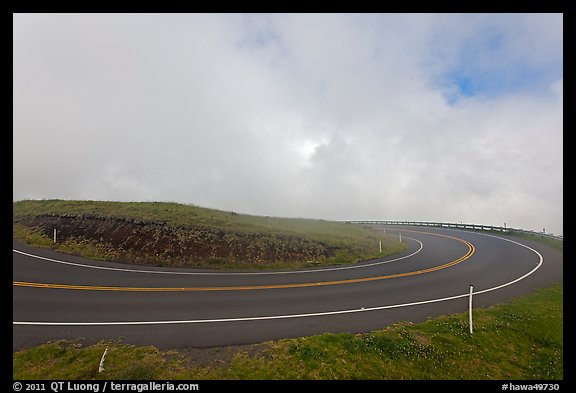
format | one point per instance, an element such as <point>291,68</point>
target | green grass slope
<point>172,234</point>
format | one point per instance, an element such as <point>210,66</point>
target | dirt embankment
<point>160,243</point>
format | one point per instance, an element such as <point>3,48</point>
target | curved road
<point>57,296</point>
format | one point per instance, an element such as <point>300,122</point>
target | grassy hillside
<point>521,340</point>
<point>172,234</point>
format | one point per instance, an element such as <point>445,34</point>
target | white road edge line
<point>223,273</point>
<point>289,316</point>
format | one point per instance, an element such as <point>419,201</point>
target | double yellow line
<point>471,251</point>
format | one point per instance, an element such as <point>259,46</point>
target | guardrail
<point>455,225</point>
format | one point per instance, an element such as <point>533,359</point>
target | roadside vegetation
<point>553,243</point>
<point>519,340</point>
<point>172,234</point>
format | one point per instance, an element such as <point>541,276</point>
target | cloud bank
<point>418,117</point>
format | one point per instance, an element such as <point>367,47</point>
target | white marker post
<point>470,308</point>
<point>380,245</point>
<point>101,366</point>
<point>54,235</point>
<point>399,234</point>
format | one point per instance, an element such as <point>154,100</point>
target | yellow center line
<point>471,251</point>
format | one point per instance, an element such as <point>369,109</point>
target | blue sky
<point>512,76</point>
<point>334,116</point>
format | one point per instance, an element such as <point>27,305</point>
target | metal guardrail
<point>455,225</point>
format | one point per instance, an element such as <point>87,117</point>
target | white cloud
<point>329,116</point>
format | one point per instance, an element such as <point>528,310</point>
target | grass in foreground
<point>522,339</point>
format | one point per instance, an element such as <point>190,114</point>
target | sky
<point>424,117</point>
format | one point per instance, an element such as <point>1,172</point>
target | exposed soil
<point>159,243</point>
<point>220,357</point>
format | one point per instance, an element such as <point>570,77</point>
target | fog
<point>429,117</point>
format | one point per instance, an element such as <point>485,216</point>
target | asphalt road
<point>57,296</point>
